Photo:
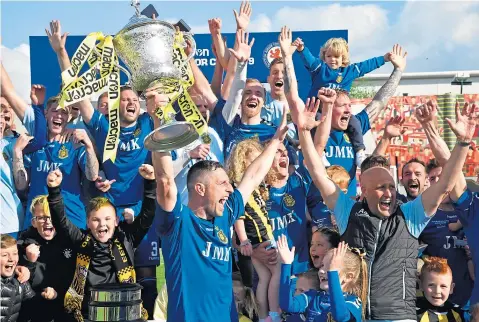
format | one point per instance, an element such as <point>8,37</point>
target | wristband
<point>463,143</point>
<point>246,242</point>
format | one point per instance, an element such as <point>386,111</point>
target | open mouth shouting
<point>344,120</point>
<point>385,204</point>
<point>102,233</point>
<point>413,187</point>
<point>223,200</point>
<point>48,230</point>
<point>252,104</point>
<point>279,84</point>
<point>131,110</point>
<point>316,260</point>
<point>57,123</point>
<point>283,163</point>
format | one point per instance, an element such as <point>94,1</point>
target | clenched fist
<point>49,293</point>
<point>33,252</point>
<point>147,171</point>
<point>54,178</point>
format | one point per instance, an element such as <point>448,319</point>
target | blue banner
<point>45,69</point>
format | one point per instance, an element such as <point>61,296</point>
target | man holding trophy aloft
<point>153,52</point>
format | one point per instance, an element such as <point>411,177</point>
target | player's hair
<point>236,165</point>
<point>250,304</point>
<point>276,61</point>
<point>105,94</point>
<point>332,235</point>
<point>355,264</point>
<point>7,241</point>
<point>312,276</point>
<point>338,47</point>
<point>97,203</point>
<point>254,80</point>
<point>413,160</point>
<point>200,172</point>
<point>431,165</point>
<point>339,175</point>
<point>435,264</point>
<point>42,202</point>
<point>375,161</point>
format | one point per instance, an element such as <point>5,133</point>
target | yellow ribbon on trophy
<point>101,58</point>
<point>177,90</point>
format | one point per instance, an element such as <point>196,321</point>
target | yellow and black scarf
<point>121,261</point>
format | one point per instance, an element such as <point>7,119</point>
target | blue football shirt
<point>339,150</point>
<point>71,160</point>
<point>131,154</point>
<point>287,214</point>
<point>197,255</point>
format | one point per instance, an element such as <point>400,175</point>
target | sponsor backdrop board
<point>45,70</point>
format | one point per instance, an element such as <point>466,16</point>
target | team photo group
<point>261,203</point>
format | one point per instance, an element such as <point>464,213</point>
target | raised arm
<point>309,61</point>
<point>12,97</point>
<point>222,55</point>
<point>398,59</point>
<point>60,221</point>
<point>257,170</point>
<point>201,85</point>
<point>57,41</point>
<point>217,79</point>
<point>392,130</point>
<point>464,128</point>
<point>166,190</point>
<point>426,115</point>
<point>240,54</point>
<point>304,117</point>
<point>20,174</point>
<point>142,223</point>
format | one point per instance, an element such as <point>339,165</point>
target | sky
<point>438,35</point>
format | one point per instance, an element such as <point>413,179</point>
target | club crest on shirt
<point>221,235</point>
<point>288,200</point>
<point>5,156</point>
<point>339,79</point>
<point>63,153</point>
<point>346,138</point>
<point>137,132</point>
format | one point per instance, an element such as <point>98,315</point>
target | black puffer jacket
<point>12,295</point>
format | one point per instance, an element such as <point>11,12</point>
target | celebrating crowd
<point>262,223</point>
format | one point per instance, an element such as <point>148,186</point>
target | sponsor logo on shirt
<point>281,222</point>
<point>63,153</point>
<point>340,152</point>
<point>271,52</point>
<point>130,145</point>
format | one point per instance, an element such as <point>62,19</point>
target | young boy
<point>436,284</point>
<point>333,70</point>
<point>51,259</point>
<point>105,253</point>
<point>11,291</point>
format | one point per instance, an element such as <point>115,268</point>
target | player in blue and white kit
<point>196,239</point>
<point>12,217</point>
<point>332,70</point>
<point>72,157</point>
<point>340,298</point>
<point>339,149</point>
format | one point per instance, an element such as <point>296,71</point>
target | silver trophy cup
<point>146,47</point>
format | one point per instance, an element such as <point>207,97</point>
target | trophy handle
<point>193,45</point>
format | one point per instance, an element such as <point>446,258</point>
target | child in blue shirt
<point>342,267</point>
<point>333,70</point>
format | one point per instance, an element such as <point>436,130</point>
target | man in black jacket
<point>104,251</point>
<point>51,259</point>
<point>385,228</point>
